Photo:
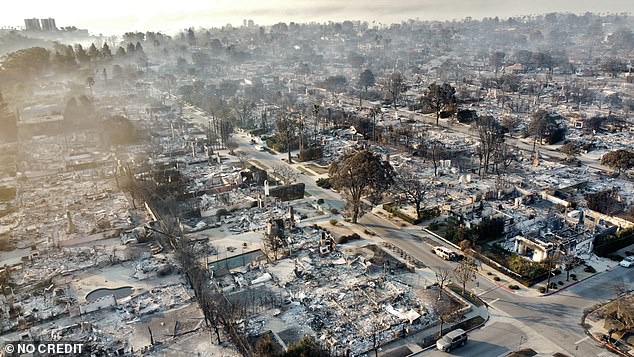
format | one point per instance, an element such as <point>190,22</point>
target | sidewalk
<point>412,342</point>
<point>595,329</point>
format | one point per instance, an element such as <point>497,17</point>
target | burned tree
<point>446,311</point>
<point>286,131</point>
<point>412,187</point>
<point>465,272</point>
<point>442,278</point>
<point>394,85</point>
<point>274,238</point>
<point>491,137</point>
<point>285,173</point>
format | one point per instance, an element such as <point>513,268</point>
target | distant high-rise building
<point>32,25</point>
<point>48,25</point>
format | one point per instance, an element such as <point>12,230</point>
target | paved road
<point>492,340</point>
<point>548,324</point>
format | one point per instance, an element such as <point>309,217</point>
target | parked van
<point>451,340</point>
<point>445,253</point>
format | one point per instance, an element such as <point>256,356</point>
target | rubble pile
<point>345,298</point>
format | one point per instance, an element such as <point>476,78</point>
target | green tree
<point>308,346</point>
<point>120,52</point>
<point>81,55</point>
<point>105,51</point>
<point>571,149</point>
<point>25,64</point>
<point>544,125</point>
<point>441,97</point>
<point>619,160</point>
<point>367,79</point>
<point>360,173</point>
<point>93,52</point>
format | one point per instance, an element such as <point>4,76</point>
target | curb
<point>573,284</point>
<point>608,347</point>
<point>505,287</point>
<point>469,330</point>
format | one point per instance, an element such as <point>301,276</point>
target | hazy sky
<point>169,16</point>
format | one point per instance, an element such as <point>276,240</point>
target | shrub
<point>604,245</point>
<point>334,211</point>
<point>396,212</point>
<point>552,285</point>
<point>345,239</point>
<point>560,282</point>
<point>489,273</point>
<point>589,269</point>
<point>541,289</point>
<point>433,226</point>
<point>369,232</point>
<point>573,276</point>
<point>323,182</point>
<point>615,257</point>
<point>496,278</point>
<point>333,222</point>
<point>310,154</point>
<point>514,287</point>
<point>221,213</point>
<point>320,201</point>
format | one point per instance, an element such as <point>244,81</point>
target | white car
<point>445,253</point>
<point>627,262</point>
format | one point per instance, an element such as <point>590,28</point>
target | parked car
<point>451,340</point>
<point>627,262</point>
<point>445,253</point>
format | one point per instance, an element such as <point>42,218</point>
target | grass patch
<point>318,169</point>
<point>471,323</point>
<point>259,164</point>
<point>304,171</point>
<point>467,296</point>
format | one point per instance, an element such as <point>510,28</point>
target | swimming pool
<point>101,292</point>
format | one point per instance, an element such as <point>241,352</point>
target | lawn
<point>318,169</point>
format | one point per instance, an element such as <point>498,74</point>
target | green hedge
<point>395,211</point>
<point>606,245</point>
<point>311,154</point>
<point>528,272</point>
<point>323,182</point>
<point>257,132</point>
